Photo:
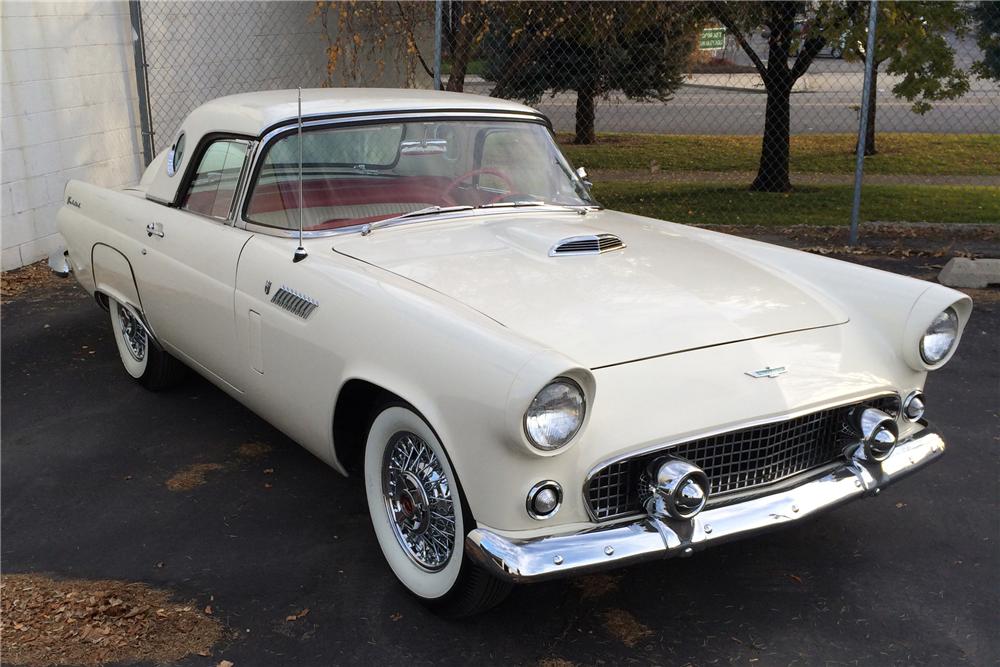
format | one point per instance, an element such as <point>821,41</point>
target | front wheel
<point>419,517</point>
<point>141,356</point>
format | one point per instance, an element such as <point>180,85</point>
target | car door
<point>187,276</point>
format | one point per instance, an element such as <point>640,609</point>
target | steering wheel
<point>478,172</point>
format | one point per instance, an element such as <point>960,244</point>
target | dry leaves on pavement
<point>48,621</point>
<point>624,627</point>
<point>191,476</point>
<point>27,279</point>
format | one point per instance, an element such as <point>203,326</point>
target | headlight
<point>939,337</point>
<point>555,415</point>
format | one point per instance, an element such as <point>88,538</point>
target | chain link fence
<point>673,107</point>
<point>196,51</point>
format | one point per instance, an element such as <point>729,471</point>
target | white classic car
<point>418,288</point>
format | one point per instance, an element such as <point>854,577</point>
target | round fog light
<point>913,406</point>
<point>878,432</point>
<point>678,488</point>
<point>544,499</point>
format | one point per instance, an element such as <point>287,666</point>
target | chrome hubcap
<point>418,500</point>
<point>133,334</point>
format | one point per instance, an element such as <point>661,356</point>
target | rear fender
<point>114,278</point>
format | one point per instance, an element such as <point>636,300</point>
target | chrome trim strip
<point>649,538</point>
<point>357,229</point>
<point>719,431</point>
<point>242,184</point>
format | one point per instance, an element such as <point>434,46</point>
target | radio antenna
<point>300,252</point>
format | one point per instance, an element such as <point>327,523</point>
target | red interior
<point>273,197</point>
<point>429,190</point>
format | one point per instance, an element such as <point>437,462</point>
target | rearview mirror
<point>425,147</point>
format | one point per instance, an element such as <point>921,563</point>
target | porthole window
<point>175,155</point>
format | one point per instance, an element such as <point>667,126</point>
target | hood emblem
<point>768,372</point>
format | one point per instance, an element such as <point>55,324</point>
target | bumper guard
<point>650,538</point>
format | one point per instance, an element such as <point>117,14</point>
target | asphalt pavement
<point>910,577</point>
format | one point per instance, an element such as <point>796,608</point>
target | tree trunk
<point>586,99</point>
<point>772,174</point>
<point>461,48</point>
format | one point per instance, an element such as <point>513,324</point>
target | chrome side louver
<point>591,244</point>
<point>294,302</point>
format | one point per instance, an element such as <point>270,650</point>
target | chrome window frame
<point>230,218</point>
<point>276,131</point>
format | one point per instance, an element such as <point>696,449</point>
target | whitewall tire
<point>418,515</point>
<point>131,338</point>
<point>141,355</point>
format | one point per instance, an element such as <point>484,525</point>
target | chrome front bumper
<point>648,538</point>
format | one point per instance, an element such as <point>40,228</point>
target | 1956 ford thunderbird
<point>418,288</point>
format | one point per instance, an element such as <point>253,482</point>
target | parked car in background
<point>418,288</point>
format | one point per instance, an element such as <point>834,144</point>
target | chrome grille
<point>593,244</point>
<point>735,461</point>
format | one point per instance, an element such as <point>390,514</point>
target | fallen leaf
<point>794,577</point>
<point>395,616</point>
<point>298,615</point>
<point>225,663</point>
<point>208,609</point>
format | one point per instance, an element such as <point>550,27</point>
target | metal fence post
<point>866,96</point>
<point>438,8</point>
<point>139,48</point>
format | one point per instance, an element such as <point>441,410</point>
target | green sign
<point>712,39</point>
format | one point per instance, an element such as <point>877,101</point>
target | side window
<point>213,187</point>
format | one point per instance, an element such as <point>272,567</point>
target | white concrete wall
<point>69,110</point>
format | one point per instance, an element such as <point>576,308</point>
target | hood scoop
<point>589,244</point>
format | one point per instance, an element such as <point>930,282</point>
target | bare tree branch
<point>808,53</point>
<point>721,12</point>
<point>413,40</point>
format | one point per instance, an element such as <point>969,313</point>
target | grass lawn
<point>925,154</point>
<point>816,205</point>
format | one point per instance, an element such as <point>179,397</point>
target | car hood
<point>669,289</point>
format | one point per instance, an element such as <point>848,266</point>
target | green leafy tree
<point>986,17</point>
<point>780,71</point>
<point>639,49</point>
<point>911,41</point>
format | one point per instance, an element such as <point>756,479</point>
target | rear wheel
<point>141,356</point>
<point>419,517</point>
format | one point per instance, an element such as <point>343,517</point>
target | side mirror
<point>582,175</point>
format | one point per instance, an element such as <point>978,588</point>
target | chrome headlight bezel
<point>947,324</point>
<point>532,430</point>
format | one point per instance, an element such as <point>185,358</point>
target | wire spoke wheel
<point>418,500</point>
<point>133,333</point>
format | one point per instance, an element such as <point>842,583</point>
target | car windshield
<point>363,174</point>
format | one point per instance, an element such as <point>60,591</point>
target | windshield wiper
<point>430,210</point>
<point>514,204</point>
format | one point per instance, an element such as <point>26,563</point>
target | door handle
<point>155,229</point>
